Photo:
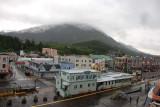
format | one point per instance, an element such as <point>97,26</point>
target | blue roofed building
<point>66,65</point>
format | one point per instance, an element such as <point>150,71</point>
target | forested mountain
<point>76,33</point>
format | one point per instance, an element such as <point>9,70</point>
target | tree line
<point>14,44</point>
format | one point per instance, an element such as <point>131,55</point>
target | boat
<point>153,97</point>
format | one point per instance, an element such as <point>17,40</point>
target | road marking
<point>80,96</point>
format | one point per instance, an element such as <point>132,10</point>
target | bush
<point>24,100</point>
<point>9,102</point>
<point>55,97</point>
<point>44,99</point>
<point>35,99</point>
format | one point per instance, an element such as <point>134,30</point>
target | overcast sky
<point>133,22</point>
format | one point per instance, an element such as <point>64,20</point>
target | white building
<point>80,81</point>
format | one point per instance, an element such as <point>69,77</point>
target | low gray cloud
<point>124,20</point>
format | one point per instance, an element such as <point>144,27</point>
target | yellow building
<point>96,67</point>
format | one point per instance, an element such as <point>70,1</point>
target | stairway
<point>115,94</point>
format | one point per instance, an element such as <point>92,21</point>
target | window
<point>109,82</point>
<point>86,76</point>
<point>82,77</point>
<point>75,86</point>
<point>89,64</point>
<point>155,89</point>
<point>112,82</point>
<point>76,64</point>
<point>85,61</point>
<point>83,65</point>
<point>73,77</point>
<point>76,77</point>
<point>81,86</point>
<point>106,83</point>
<point>89,60</point>
<point>94,76</point>
<point>88,85</point>
<point>4,59</point>
<point>82,60</point>
<point>4,66</point>
<point>77,60</point>
<point>58,82</point>
<point>67,77</point>
<point>93,84</point>
<point>79,77</point>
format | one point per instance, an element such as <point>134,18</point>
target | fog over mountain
<point>71,34</point>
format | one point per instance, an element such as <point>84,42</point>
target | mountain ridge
<point>70,34</point>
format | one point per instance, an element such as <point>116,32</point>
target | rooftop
<point>3,54</point>
<point>114,76</point>
<point>101,57</point>
<point>75,70</point>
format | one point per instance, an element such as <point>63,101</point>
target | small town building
<point>49,51</point>
<point>123,63</point>
<point>95,67</point>
<point>4,66</point>
<point>66,65</point>
<point>40,70</point>
<point>109,62</point>
<point>79,61</point>
<point>79,81</point>
<point>113,79</point>
<point>76,81</point>
<point>12,56</point>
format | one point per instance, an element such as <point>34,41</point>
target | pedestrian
<point>137,99</point>
<point>130,99</point>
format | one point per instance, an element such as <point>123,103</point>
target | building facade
<point>80,81</point>
<point>109,62</point>
<point>79,61</point>
<point>123,63</point>
<point>66,65</point>
<point>4,66</point>
<point>76,81</point>
<point>49,51</point>
<point>42,70</point>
